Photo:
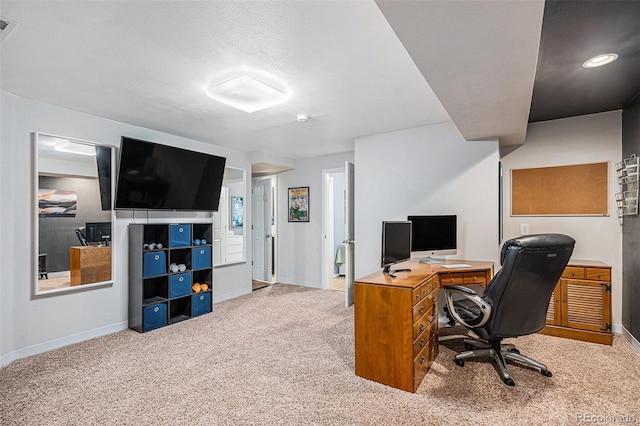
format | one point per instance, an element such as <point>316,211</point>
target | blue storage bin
<point>154,316</point>
<point>201,258</point>
<point>154,263</point>
<point>179,235</point>
<point>200,304</point>
<point>180,285</point>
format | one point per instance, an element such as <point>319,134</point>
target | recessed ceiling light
<point>246,93</point>
<point>302,118</point>
<point>75,148</point>
<point>600,60</point>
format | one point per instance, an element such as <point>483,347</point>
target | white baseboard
<point>620,329</point>
<point>58,343</point>
<point>282,280</point>
<point>229,296</point>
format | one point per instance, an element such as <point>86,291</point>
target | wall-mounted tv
<point>152,176</point>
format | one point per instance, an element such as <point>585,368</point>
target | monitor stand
<point>392,273</point>
<point>429,260</point>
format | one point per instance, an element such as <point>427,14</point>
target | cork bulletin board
<point>575,190</point>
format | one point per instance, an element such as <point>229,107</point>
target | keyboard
<point>456,265</point>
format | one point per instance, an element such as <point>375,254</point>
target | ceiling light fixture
<point>600,60</point>
<point>302,118</point>
<point>246,93</point>
<point>75,148</point>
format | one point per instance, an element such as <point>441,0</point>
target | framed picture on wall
<point>57,202</point>
<point>237,211</point>
<point>299,204</point>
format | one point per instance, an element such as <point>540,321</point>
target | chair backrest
<point>520,292</point>
<point>80,233</point>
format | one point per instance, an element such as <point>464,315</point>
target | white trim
<point>300,283</point>
<point>229,296</point>
<point>64,341</point>
<point>620,329</point>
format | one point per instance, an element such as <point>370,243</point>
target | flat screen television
<point>97,232</point>
<point>433,236</point>
<point>152,176</point>
<point>396,245</point>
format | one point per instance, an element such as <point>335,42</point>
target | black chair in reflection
<point>42,266</point>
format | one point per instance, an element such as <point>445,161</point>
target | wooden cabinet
<point>580,306</point>
<point>170,274</point>
<point>89,264</point>
<point>396,333</point>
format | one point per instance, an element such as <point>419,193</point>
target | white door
<point>350,233</point>
<point>261,229</point>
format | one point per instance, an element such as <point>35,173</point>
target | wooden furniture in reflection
<point>89,264</point>
<point>580,306</point>
<point>396,320</point>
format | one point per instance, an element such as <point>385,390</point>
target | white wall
<point>30,324</point>
<point>577,140</point>
<point>300,243</point>
<point>426,170</point>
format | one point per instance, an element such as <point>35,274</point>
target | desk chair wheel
<point>468,346</point>
<point>459,362</point>
<point>546,373</point>
<point>514,350</point>
<point>509,382</point>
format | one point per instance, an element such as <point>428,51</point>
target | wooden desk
<point>396,319</point>
<point>89,264</point>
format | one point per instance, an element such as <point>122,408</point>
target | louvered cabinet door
<point>554,311</point>
<point>586,305</point>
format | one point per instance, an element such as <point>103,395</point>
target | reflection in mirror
<point>74,217</point>
<point>228,221</point>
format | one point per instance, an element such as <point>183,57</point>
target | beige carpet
<point>285,355</point>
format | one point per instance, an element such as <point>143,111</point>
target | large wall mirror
<point>229,221</point>
<point>73,223</point>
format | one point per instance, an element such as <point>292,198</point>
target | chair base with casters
<point>500,354</point>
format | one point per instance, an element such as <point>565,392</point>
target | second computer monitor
<point>433,236</point>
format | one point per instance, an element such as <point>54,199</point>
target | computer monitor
<point>433,236</point>
<point>98,233</point>
<point>396,245</point>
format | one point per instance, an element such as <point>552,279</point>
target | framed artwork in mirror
<point>237,211</point>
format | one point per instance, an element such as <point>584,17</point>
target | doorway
<point>263,231</point>
<point>334,212</point>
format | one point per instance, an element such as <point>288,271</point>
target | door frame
<point>274,227</point>
<point>327,223</point>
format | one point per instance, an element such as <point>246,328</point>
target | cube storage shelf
<point>165,262</point>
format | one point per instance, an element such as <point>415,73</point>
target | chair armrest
<point>462,289</point>
<point>467,293</point>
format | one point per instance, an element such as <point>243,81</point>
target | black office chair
<point>42,266</point>
<point>80,233</point>
<point>514,303</point>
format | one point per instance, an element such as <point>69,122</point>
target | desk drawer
<point>598,274</point>
<point>423,361</point>
<point>424,289</point>
<point>424,306</point>
<point>425,321</point>
<point>451,278</point>
<point>573,272</point>
<point>424,338</point>
<point>474,278</point>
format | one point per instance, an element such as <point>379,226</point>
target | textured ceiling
<point>146,63</point>
<point>573,32</point>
